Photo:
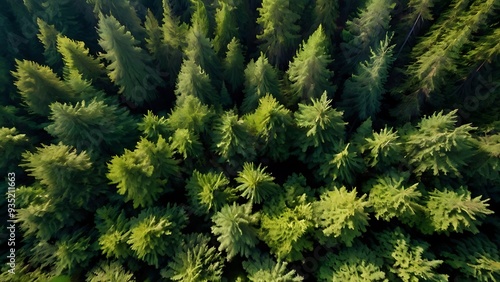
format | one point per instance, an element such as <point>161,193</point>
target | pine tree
<point>342,166</point>
<point>256,185</point>
<point>264,268</point>
<point>110,272</point>
<point>128,66</point>
<point>48,36</point>
<point>195,260</point>
<point>384,148</point>
<point>363,91</point>
<point>260,79</point>
<point>280,33</point>
<point>76,58</point>
<point>153,126</point>
<point>191,114</point>
<point>156,232</point>
<point>12,144</point>
<point>149,165</point>
<point>113,227</point>
<point>123,12</point>
<point>325,14</point>
<point>270,123</point>
<point>186,143</point>
<point>208,192</point>
<point>438,146</point>
<point>308,71</point>
<point>92,126</point>
<point>200,18</point>
<point>39,86</point>
<point>226,28</point>
<point>194,81</point>
<point>341,215</point>
<point>234,65</point>
<point>365,31</point>
<point>235,229</point>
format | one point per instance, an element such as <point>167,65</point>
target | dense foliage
<point>263,140</point>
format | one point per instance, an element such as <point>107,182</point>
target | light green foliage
<point>438,146</point>
<point>76,58</point>
<point>455,210</point>
<point>156,232</point>
<point>309,71</point>
<point>110,272</point>
<point>270,123</point>
<point>66,175</point>
<point>12,144</point>
<point>320,127</point>
<point>357,263</point>
<point>234,64</point>
<point>384,148</point>
<point>194,81</point>
<point>93,126</point>
<point>408,260</point>
<point>263,268</point>
<point>285,229</point>
<point>487,162</point>
<point>208,192</point>
<point>72,252</point>
<point>142,175</point>
<point>48,37</point>
<point>232,139</point>
<point>279,29</point>
<point>195,260</point>
<point>476,257</point>
<point>153,126</point>
<point>226,27</point>
<point>191,114</point>
<point>256,185</point>
<point>200,18</point>
<point>366,30</point>
<point>186,143</point>
<point>39,86</point>
<point>391,197</point>
<point>341,214</point>
<point>261,79</point>
<point>113,227</point>
<point>128,66</point>
<point>200,50</point>
<point>235,229</point>
<point>342,166</point>
<point>363,91</point>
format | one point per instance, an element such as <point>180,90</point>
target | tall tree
<point>234,65</point>
<point>309,71</point>
<point>326,13</point>
<point>194,81</point>
<point>123,11</point>
<point>128,66</point>
<point>226,27</point>
<point>48,36</point>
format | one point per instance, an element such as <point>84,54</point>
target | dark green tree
<point>48,36</point>
<point>233,63</point>
<point>123,12</point>
<point>194,81</point>
<point>226,27</point>
<point>12,145</point>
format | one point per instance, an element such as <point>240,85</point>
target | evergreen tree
<point>128,66</point>
<point>195,260</point>
<point>39,86</point>
<point>342,166</point>
<point>156,232</point>
<point>308,71</point>
<point>264,268</point>
<point>363,91</point>
<point>234,65</point>
<point>235,229</point>
<point>341,215</point>
<point>186,143</point>
<point>110,272</point>
<point>123,12</point>
<point>153,126</point>
<point>194,81</point>
<point>12,144</point>
<point>260,79</point>
<point>48,36</point>
<point>200,18</point>
<point>226,28</point>
<point>326,14</point>
<point>208,192</point>
<point>384,148</point>
<point>149,165</point>
<point>190,114</point>
<point>95,126</point>
<point>113,227</point>
<point>255,184</point>
<point>280,33</point>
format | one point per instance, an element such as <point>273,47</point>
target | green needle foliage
<point>48,37</point>
<point>194,81</point>
<point>256,185</point>
<point>195,260</point>
<point>186,143</point>
<point>264,268</point>
<point>384,148</point>
<point>200,50</point>
<point>153,126</point>
<point>341,214</point>
<point>113,227</point>
<point>12,144</point>
<point>208,192</point>
<point>308,71</point>
<point>156,232</point>
<point>234,226</point>
<point>234,64</point>
<point>190,114</point>
<point>142,175</point>
<point>226,27</point>
<point>110,272</point>
<point>342,166</point>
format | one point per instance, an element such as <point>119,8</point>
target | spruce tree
<point>234,65</point>
<point>226,27</point>
<point>280,33</point>
<point>363,91</point>
<point>186,143</point>
<point>384,148</point>
<point>309,71</point>
<point>190,114</point>
<point>48,36</point>
<point>110,272</point>
<point>264,268</point>
<point>128,66</point>
<point>12,144</point>
<point>123,12</point>
<point>153,126</point>
<point>326,13</point>
<point>343,165</point>
<point>194,81</point>
<point>256,185</point>
<point>208,192</point>
<point>113,230</point>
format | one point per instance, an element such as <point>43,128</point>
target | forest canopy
<point>261,140</point>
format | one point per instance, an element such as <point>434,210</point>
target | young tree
<point>208,192</point>
<point>260,79</point>
<point>195,260</point>
<point>256,185</point>
<point>234,67</point>
<point>153,126</point>
<point>39,86</point>
<point>150,165</point>
<point>235,229</point>
<point>12,144</point>
<point>280,32</point>
<point>194,81</point>
<point>114,231</point>
<point>384,148</point>
<point>309,71</point>
<point>341,215</point>
<point>108,271</point>
<point>190,114</point>
<point>48,36</point>
<point>264,268</point>
<point>342,166</point>
<point>186,143</point>
<point>128,66</point>
<point>363,91</point>
<point>123,12</point>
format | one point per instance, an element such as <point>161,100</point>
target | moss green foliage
<point>234,140</point>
